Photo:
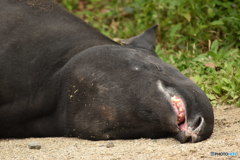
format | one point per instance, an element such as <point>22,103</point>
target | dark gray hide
<point>61,77</point>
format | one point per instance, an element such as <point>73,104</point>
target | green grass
<point>200,37</point>
<point>217,72</point>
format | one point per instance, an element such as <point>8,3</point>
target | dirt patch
<point>226,138</point>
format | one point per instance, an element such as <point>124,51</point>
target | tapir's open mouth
<point>180,110</point>
<point>177,103</point>
<point>193,133</point>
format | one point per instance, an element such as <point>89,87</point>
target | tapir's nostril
<point>198,123</point>
<point>198,126</point>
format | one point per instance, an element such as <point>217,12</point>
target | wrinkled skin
<point>61,77</point>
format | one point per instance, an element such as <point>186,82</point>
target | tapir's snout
<point>194,133</point>
<point>199,121</point>
<point>193,111</point>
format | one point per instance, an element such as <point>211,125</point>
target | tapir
<point>61,77</point>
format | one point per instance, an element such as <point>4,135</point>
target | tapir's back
<point>37,37</point>
<point>46,24</point>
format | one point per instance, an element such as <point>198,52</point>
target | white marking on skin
<point>136,68</point>
<point>162,89</point>
<point>75,91</point>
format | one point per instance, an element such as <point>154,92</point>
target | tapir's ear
<point>145,40</point>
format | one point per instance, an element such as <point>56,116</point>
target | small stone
<point>110,145</point>
<point>34,145</point>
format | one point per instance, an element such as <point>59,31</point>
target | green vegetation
<point>200,37</point>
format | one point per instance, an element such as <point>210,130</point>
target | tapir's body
<point>61,77</point>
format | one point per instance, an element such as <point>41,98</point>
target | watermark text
<point>224,153</point>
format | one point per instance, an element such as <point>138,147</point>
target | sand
<point>225,139</point>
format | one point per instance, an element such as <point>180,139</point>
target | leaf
<point>217,23</point>
<point>226,80</point>
<point>187,16</point>
<point>211,96</point>
<point>216,90</point>
<point>197,78</point>
<point>211,12</point>
<point>226,88</point>
<point>215,46</point>
<point>174,29</point>
<point>200,58</point>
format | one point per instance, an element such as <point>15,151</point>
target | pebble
<point>110,145</point>
<point>34,145</point>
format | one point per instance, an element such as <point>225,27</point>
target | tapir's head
<point>128,92</point>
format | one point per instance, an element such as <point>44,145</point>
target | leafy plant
<point>70,4</point>
<point>217,72</point>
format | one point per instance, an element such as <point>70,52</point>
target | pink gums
<point>180,110</point>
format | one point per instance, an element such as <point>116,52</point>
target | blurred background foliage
<point>200,37</point>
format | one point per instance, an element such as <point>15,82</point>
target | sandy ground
<point>226,138</point>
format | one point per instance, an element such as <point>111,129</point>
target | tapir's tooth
<point>180,109</point>
<point>181,115</point>
<point>178,105</point>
